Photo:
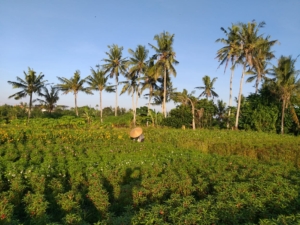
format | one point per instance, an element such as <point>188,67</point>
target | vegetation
<point>73,167</point>
<point>69,172</point>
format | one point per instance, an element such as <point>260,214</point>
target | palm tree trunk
<point>230,96</point>
<point>133,109</point>
<point>116,106</point>
<point>101,106</point>
<point>150,95</point>
<point>165,93</point>
<point>256,85</point>
<point>30,106</point>
<point>239,99</point>
<point>76,110</point>
<point>136,103</point>
<point>193,114</point>
<point>282,116</point>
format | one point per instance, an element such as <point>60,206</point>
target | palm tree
<point>98,81</point>
<point>31,84</point>
<point>50,97</point>
<point>208,91</point>
<point>229,53</point>
<point>138,66</point>
<point>165,59</point>
<point>250,43</point>
<point>258,73</point>
<point>74,85</point>
<point>158,94</point>
<point>132,87</point>
<point>149,83</point>
<point>287,84</point>
<point>115,65</point>
<point>184,97</point>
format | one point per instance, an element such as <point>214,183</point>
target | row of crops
<point>97,175</point>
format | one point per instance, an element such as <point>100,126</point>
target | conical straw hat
<point>134,133</point>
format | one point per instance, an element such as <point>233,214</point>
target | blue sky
<point>58,37</point>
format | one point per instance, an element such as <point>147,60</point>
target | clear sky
<point>58,37</point>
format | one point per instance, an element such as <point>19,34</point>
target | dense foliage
<point>79,173</point>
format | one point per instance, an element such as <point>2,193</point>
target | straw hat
<point>134,133</point>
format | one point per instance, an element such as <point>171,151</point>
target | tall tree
<point>229,53</point>
<point>138,66</point>
<point>149,82</point>
<point>132,87</point>
<point>287,83</point>
<point>165,60</point>
<point>73,85</point>
<point>250,43</point>
<point>98,81</point>
<point>32,83</point>
<point>50,97</point>
<point>208,88</point>
<point>115,65</point>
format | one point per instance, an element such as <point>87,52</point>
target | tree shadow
<point>121,196</point>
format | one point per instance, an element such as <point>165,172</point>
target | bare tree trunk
<point>133,109</point>
<point>101,106</point>
<point>116,106</point>
<point>30,106</point>
<point>193,114</point>
<point>150,96</point>
<point>282,116</point>
<point>230,96</point>
<point>76,110</point>
<point>239,99</point>
<point>165,92</point>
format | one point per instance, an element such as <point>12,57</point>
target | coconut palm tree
<point>73,85</point>
<point>115,65</point>
<point>260,63</point>
<point>208,91</point>
<point>229,53</point>
<point>98,81</point>
<point>132,87</point>
<point>138,66</point>
<point>287,83</point>
<point>250,43</point>
<point>50,97</point>
<point>31,84</point>
<point>149,82</point>
<point>165,60</point>
<point>185,97</point>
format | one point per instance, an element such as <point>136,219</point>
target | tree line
<point>243,45</point>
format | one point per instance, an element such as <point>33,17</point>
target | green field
<point>71,173</point>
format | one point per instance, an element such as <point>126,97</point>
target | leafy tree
<point>50,97</point>
<point>221,111</point>
<point>32,83</point>
<point>178,117</point>
<point>73,85</point>
<point>208,91</point>
<point>98,81</point>
<point>165,59</point>
<point>286,85</point>
<point>185,98</point>
<point>115,65</point>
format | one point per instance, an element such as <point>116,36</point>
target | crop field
<point>70,173</point>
